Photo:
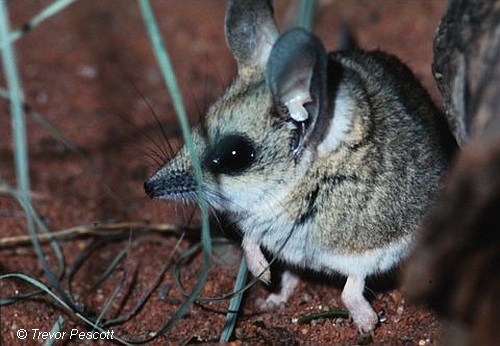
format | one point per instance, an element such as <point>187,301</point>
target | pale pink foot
<point>256,262</point>
<point>288,283</point>
<point>360,310</point>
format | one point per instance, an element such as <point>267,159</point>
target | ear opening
<point>250,32</point>
<point>296,74</point>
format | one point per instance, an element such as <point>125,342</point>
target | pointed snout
<point>152,188</point>
<point>172,185</point>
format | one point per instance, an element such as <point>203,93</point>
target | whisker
<point>160,147</point>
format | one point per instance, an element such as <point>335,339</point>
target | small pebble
<point>41,97</point>
<point>382,317</point>
<point>87,71</point>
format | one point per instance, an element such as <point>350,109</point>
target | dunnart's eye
<point>231,155</point>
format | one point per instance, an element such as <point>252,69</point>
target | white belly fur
<point>299,250</point>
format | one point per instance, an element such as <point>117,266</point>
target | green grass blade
<point>47,290</point>
<point>46,13</point>
<point>18,120</point>
<point>19,135</point>
<point>55,329</point>
<point>169,77</point>
<point>234,305</point>
<point>40,223</point>
<point>17,116</point>
<point>304,16</point>
<point>337,313</point>
<point>51,128</point>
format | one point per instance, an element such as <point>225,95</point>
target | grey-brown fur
<point>344,155</point>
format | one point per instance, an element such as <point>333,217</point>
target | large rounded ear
<point>296,75</point>
<point>250,32</point>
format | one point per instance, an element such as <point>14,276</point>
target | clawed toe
<point>272,302</point>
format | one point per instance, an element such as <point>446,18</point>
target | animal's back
<point>373,190</point>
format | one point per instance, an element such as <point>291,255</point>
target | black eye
<point>232,154</point>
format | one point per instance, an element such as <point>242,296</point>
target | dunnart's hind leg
<point>359,308</point>
<point>288,283</point>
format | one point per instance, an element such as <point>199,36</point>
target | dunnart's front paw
<point>256,262</point>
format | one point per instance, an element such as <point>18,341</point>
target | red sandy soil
<point>90,71</point>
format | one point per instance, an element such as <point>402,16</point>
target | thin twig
<point>94,230</point>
